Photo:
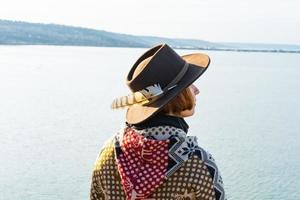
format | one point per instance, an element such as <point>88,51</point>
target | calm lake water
<point>55,116</point>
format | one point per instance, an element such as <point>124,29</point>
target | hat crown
<point>159,65</point>
<point>141,66</point>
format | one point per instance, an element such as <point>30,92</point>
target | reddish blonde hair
<point>183,101</point>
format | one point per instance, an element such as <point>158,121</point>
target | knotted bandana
<point>142,164</point>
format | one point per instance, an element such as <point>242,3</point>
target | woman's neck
<point>162,119</point>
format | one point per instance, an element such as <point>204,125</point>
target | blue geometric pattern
<point>209,161</point>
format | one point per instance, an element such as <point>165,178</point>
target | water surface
<point>55,117</point>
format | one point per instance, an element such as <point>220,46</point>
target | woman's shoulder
<point>208,162</point>
<point>106,153</point>
<point>196,157</point>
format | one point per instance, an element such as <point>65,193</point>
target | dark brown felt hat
<point>162,66</point>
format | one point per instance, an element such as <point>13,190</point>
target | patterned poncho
<point>157,163</point>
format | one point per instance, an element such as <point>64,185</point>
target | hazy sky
<point>262,21</point>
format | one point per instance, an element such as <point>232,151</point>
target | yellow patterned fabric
<point>192,181</point>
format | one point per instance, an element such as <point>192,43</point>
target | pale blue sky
<point>261,21</point>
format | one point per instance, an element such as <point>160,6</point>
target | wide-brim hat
<point>157,77</point>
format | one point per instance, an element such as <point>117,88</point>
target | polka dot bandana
<point>142,164</point>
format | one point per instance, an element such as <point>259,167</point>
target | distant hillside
<point>21,33</point>
<point>24,33</point>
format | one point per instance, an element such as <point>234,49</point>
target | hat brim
<point>198,63</point>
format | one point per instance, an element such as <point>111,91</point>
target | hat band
<point>179,76</point>
<point>149,94</point>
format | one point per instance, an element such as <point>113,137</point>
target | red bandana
<point>142,164</point>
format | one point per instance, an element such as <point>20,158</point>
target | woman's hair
<point>183,101</point>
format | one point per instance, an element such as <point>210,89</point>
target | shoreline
<point>175,47</point>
